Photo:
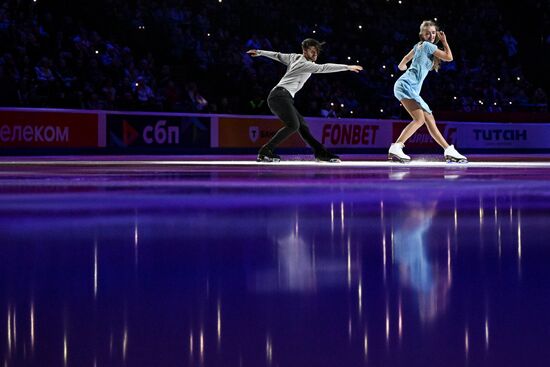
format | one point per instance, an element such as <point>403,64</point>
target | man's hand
<point>253,53</point>
<point>355,68</point>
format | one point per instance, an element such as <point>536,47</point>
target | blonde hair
<point>430,23</point>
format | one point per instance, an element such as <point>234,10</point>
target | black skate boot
<point>266,155</point>
<point>326,156</point>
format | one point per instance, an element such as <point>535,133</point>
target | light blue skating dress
<point>409,84</point>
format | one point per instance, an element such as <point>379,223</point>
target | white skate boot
<point>452,155</point>
<point>396,153</point>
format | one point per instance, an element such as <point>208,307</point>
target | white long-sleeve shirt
<point>299,69</point>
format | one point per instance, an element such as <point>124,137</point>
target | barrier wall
<point>120,132</point>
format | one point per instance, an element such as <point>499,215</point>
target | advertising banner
<point>48,129</point>
<point>152,130</point>
<point>351,133</point>
<point>482,135</point>
<point>248,132</point>
<point>52,128</point>
<point>504,135</point>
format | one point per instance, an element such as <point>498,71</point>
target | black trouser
<point>281,103</point>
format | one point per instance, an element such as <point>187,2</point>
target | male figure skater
<point>281,98</point>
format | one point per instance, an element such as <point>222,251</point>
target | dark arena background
<point>138,229</point>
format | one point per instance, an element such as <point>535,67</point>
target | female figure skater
<point>425,56</point>
<point>281,99</point>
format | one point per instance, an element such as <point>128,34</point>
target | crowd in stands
<point>176,55</point>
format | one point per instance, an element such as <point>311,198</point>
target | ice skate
<point>396,153</point>
<point>266,155</point>
<point>326,156</point>
<point>453,156</point>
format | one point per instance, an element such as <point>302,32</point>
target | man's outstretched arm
<point>311,67</point>
<point>277,56</point>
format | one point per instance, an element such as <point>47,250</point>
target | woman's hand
<point>442,36</point>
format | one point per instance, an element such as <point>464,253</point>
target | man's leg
<point>319,150</point>
<point>281,104</point>
<point>305,133</point>
<point>282,107</point>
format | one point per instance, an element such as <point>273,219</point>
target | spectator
<point>57,56</point>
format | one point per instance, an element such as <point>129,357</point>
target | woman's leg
<point>434,131</point>
<point>417,115</point>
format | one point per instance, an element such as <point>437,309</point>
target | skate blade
<point>395,158</point>
<point>267,159</point>
<point>455,160</point>
<point>332,160</point>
